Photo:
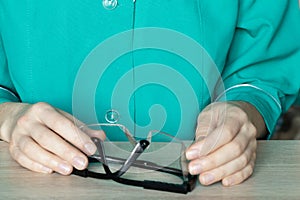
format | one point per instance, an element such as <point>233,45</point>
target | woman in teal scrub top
<point>148,65</point>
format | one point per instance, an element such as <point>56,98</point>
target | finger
<point>76,121</point>
<point>37,154</point>
<point>56,145</point>
<point>206,122</point>
<point>83,127</point>
<point>229,121</point>
<point>93,132</point>
<point>229,168</point>
<point>64,127</point>
<point>211,117</point>
<point>224,154</point>
<point>240,176</point>
<point>24,161</point>
<point>223,134</point>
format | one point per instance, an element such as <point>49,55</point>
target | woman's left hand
<point>225,145</point>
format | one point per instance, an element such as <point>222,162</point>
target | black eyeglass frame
<point>188,184</point>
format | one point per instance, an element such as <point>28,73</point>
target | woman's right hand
<point>45,139</point>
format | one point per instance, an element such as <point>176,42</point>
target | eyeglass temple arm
<point>136,152</point>
<point>184,188</point>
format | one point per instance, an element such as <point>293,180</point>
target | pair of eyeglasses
<point>117,159</point>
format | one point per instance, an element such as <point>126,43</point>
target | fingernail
<point>193,153</point>
<point>227,182</point>
<point>64,169</point>
<point>79,162</point>
<point>90,148</point>
<point>195,169</point>
<point>208,178</point>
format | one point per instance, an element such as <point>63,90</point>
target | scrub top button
<point>109,4</point>
<point>112,116</point>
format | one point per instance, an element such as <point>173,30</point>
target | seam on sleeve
<point>10,92</point>
<point>252,86</point>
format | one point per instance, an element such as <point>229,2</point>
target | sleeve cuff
<point>7,96</point>
<point>265,102</point>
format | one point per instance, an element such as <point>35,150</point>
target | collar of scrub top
<point>188,184</point>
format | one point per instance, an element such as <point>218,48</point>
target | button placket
<point>113,114</point>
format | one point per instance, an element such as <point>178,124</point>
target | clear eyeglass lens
<point>164,151</point>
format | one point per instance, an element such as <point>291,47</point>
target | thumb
<point>206,123</point>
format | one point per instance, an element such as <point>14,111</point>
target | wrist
<point>9,114</point>
<point>254,117</point>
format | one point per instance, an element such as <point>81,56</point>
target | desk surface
<point>276,176</point>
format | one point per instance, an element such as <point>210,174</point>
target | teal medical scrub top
<point>150,64</point>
